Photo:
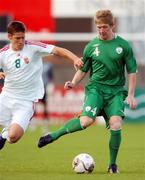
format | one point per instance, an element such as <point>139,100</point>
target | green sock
<point>71,126</point>
<point>114,144</point>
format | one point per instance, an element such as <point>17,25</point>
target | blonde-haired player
<point>106,56</point>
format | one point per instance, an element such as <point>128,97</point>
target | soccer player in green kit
<point>106,56</point>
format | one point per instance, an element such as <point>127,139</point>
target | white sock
<point>4,133</point>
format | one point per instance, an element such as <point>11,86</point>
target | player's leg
<point>12,134</point>
<point>89,113</point>
<point>114,142</point>
<point>71,126</point>
<point>5,119</point>
<point>15,133</point>
<point>115,112</point>
<point>22,112</point>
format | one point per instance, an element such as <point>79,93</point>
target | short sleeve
<point>86,59</point>
<point>45,49</point>
<point>42,48</point>
<point>130,60</point>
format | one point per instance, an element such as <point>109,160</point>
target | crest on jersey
<point>119,50</point>
<point>26,60</point>
<point>96,51</point>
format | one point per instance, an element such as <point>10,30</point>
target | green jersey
<point>107,60</point>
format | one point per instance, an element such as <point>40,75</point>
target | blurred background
<point>70,24</point>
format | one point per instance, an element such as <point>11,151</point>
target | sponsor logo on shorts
<point>88,108</point>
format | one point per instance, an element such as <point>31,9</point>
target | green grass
<point>24,160</point>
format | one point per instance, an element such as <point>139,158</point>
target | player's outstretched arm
<point>131,88</point>
<point>79,75</point>
<point>78,63</point>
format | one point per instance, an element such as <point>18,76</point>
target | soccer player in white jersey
<point>22,73</point>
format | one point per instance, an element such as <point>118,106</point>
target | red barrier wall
<point>35,14</point>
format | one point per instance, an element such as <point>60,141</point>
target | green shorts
<point>104,100</point>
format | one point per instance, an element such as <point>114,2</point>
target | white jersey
<point>23,70</point>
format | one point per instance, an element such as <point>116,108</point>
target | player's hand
<point>68,85</point>
<point>130,100</point>
<point>78,63</point>
<point>2,75</point>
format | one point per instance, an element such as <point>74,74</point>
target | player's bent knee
<point>86,121</point>
<point>115,123</point>
<point>13,138</point>
<point>15,133</point>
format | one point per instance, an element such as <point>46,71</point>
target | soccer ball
<point>83,163</point>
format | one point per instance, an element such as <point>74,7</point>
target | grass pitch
<point>24,160</point>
